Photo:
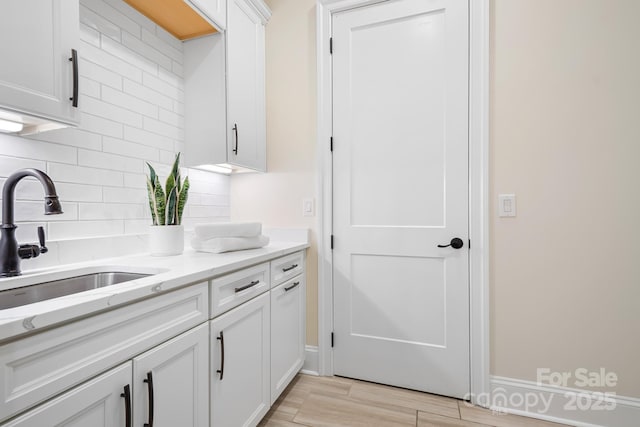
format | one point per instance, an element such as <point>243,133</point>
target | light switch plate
<point>307,207</point>
<point>506,205</point>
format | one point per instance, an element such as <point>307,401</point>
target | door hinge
<point>332,340</point>
<point>331,45</point>
<point>331,144</point>
<point>332,241</point>
<point>469,243</point>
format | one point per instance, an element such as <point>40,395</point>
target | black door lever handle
<point>456,243</point>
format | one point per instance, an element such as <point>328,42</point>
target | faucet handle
<point>43,248</point>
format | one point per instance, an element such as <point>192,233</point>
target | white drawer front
<point>40,366</point>
<point>233,289</point>
<point>283,269</point>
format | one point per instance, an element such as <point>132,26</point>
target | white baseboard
<point>311,364</point>
<point>583,408</point>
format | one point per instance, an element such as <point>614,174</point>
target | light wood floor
<point>333,401</point>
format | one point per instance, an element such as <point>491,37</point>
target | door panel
<point>179,370</point>
<point>96,403</point>
<point>400,171</point>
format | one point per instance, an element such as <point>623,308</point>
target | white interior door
<point>400,189</point>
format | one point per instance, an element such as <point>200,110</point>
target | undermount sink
<point>79,281</point>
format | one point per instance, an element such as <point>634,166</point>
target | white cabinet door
<point>214,11</point>
<point>96,403</point>
<point>36,76</point>
<point>287,333</point>
<point>246,128</point>
<point>240,364</point>
<point>171,382</point>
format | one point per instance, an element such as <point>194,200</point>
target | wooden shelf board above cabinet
<point>175,16</point>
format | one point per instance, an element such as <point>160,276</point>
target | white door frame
<point>478,189</point>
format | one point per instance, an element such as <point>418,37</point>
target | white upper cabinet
<point>225,117</point>
<point>214,11</point>
<point>246,127</point>
<point>37,76</point>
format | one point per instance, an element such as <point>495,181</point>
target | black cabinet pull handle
<point>250,285</point>
<point>76,76</point>
<point>235,130</point>
<point>127,405</point>
<point>149,381</point>
<point>289,268</point>
<point>221,370</point>
<point>295,284</point>
<point>456,243</point>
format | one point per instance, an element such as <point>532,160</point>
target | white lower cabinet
<point>240,364</point>
<point>288,304</point>
<point>170,382</point>
<point>96,403</point>
<point>166,386</point>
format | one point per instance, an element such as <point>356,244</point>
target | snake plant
<point>167,204</point>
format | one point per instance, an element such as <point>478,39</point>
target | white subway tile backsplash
<point>145,50</point>
<point>109,61</point>
<point>96,211</point>
<point>101,160</point>
<point>116,20</point>
<point>150,95</point>
<point>136,226</point>
<point>168,49</point>
<point>130,13</point>
<point>34,211</point>
<point>130,149</point>
<point>27,189</point>
<point>100,74</point>
<point>162,128</point>
<point>89,35</point>
<point>125,195</point>
<point>170,77</point>
<point>35,150</point>
<point>84,175</point>
<point>83,229</point>
<point>162,86</point>
<point>129,102</point>
<point>123,51</point>
<point>167,156</point>
<point>98,24</point>
<point>89,87</point>
<point>69,136</point>
<point>171,118</point>
<point>132,112</point>
<point>78,192</point>
<point>8,165</point>
<point>177,69</point>
<point>136,180</point>
<point>111,112</point>
<point>100,125</point>
<point>144,137</point>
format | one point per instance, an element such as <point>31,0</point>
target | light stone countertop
<point>177,271</point>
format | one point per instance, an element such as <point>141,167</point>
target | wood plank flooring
<point>334,401</point>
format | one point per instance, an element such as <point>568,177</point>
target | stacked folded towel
<point>226,237</point>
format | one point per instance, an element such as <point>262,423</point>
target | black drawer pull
<point>221,370</point>
<point>295,285</point>
<point>289,268</point>
<point>76,76</point>
<point>235,130</point>
<point>127,405</point>
<point>149,381</point>
<point>250,285</point>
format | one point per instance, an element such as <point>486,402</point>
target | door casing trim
<point>478,190</point>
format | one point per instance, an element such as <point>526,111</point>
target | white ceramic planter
<point>165,240</point>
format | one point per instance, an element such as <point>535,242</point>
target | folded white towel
<point>228,244</point>
<point>227,229</point>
